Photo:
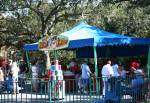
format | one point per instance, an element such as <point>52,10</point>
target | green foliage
<point>123,18</point>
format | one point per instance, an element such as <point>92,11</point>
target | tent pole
<point>28,60</point>
<point>96,68</point>
<point>56,55</point>
<point>48,63</point>
<point>148,64</point>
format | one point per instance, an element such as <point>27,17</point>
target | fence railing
<point>117,90</point>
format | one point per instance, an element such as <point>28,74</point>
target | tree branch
<point>56,9</point>
<point>40,14</point>
<point>39,4</point>
<point>61,18</point>
<point>22,24</point>
<point>4,31</point>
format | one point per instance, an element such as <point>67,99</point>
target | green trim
<point>28,63</point>
<point>96,68</point>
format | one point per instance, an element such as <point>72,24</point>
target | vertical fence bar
<point>31,90</point>
<point>73,87</point>
<point>62,91</point>
<point>58,87</point>
<point>11,95</point>
<point>21,89</point>
<point>69,89</point>
<point>37,90</point>
<point>41,91</point>
<point>1,96</point>
<point>77,88</point>
<point>81,90</point>
<point>45,83</point>
<point>50,91</point>
<point>7,96</point>
<point>26,90</point>
<point>66,90</point>
<point>4,97</point>
<point>16,82</point>
<point>90,92</point>
<point>99,87</point>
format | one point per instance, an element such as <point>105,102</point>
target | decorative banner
<point>53,42</point>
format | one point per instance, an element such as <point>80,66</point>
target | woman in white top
<point>35,71</point>
<point>15,71</point>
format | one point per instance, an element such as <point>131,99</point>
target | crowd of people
<point>11,72</point>
<point>110,70</point>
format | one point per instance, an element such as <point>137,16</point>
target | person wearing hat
<point>135,68</point>
<point>136,85</point>
<point>135,88</point>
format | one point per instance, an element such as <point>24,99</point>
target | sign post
<point>54,43</point>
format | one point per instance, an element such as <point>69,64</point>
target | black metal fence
<point>117,90</point>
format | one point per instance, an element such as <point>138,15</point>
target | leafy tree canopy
<point>26,21</point>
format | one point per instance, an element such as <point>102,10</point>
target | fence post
<point>50,91</point>
<point>90,92</point>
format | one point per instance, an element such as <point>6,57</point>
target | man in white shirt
<point>107,73</point>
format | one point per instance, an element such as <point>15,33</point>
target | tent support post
<point>48,63</point>
<point>28,60</point>
<point>55,54</point>
<point>96,68</point>
<point>148,64</point>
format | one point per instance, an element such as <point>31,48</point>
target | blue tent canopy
<point>31,47</point>
<point>84,36</point>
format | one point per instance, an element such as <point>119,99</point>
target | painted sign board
<point>53,42</point>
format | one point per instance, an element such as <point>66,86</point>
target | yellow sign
<point>53,42</point>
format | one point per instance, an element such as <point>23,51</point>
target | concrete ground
<point>27,96</point>
<point>38,98</point>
